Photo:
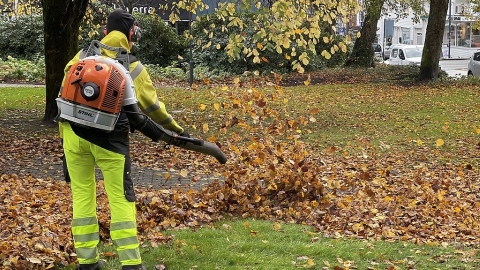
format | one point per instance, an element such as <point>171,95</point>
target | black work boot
<point>134,267</point>
<point>92,266</point>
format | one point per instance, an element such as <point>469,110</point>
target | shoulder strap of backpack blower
<point>122,55</point>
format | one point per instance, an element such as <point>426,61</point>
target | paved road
<point>455,67</point>
<point>461,52</point>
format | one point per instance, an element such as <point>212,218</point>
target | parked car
<point>474,65</point>
<point>406,54</point>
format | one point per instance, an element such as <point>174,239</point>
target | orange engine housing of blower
<point>96,85</point>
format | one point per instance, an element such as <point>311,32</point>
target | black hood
<point>120,20</point>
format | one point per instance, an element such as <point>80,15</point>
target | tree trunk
<point>429,67</point>
<point>362,54</point>
<point>61,22</point>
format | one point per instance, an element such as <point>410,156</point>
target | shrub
<point>160,44</point>
<point>318,62</point>
<point>159,73</point>
<point>21,70</point>
<point>21,36</point>
<point>217,60</point>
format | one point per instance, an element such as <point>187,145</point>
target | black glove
<point>177,141</point>
<point>184,134</point>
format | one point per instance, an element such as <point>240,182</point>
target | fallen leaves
<point>33,228</point>
<point>351,196</point>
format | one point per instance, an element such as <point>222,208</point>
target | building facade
<point>459,30</point>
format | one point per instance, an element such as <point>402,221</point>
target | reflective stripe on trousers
<point>81,158</point>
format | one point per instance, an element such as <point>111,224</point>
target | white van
<point>406,54</point>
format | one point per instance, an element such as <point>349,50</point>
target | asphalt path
<point>455,68</point>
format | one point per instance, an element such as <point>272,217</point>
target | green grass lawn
<point>254,244</point>
<point>392,117</point>
<point>336,115</point>
<point>22,98</point>
<point>257,244</point>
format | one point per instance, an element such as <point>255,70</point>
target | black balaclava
<point>120,20</point>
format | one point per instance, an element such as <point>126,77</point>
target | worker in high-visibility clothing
<point>86,147</point>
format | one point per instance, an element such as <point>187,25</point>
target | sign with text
<point>164,8</point>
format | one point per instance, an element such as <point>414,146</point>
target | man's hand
<point>178,141</point>
<point>184,134</point>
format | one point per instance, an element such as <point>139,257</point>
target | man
<point>86,147</point>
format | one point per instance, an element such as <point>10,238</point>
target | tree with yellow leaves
<point>284,24</point>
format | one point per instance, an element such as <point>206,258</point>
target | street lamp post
<point>190,45</point>
<point>383,40</point>
<point>449,27</point>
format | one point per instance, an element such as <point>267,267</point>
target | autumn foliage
<point>271,174</point>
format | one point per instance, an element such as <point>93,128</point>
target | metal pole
<point>449,27</point>
<point>383,39</point>
<point>190,44</point>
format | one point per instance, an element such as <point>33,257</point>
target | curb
<point>2,84</point>
<point>460,58</point>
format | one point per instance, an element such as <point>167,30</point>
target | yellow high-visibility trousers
<point>82,156</point>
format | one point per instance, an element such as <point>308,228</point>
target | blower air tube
<point>156,132</point>
<point>206,148</point>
